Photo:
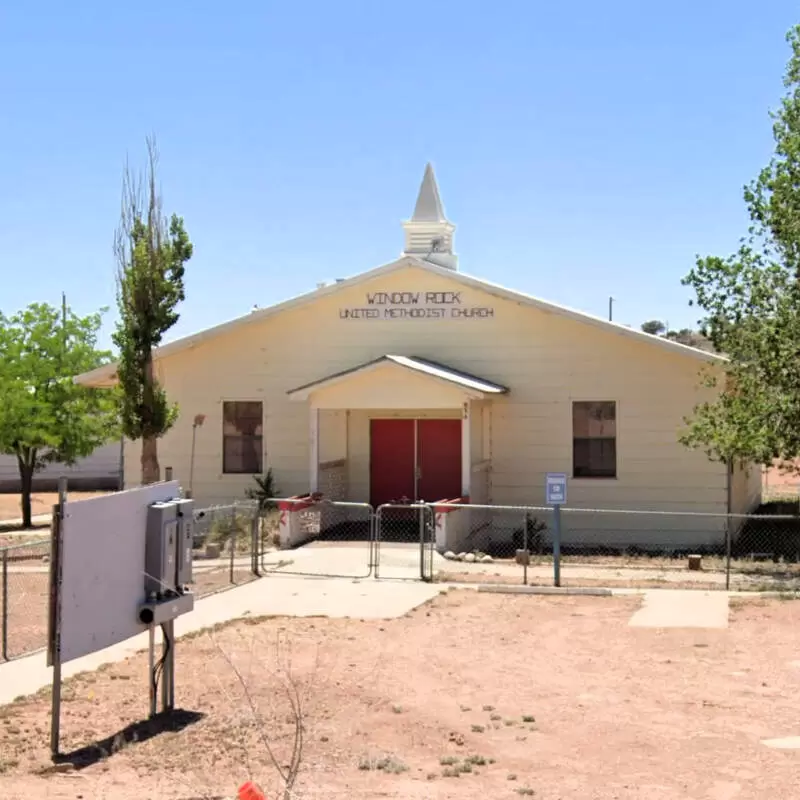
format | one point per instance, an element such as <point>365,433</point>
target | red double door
<point>419,459</point>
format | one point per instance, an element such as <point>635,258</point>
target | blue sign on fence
<point>556,488</point>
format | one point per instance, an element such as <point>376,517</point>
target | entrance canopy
<point>396,382</point>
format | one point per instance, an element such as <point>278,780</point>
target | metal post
<point>376,541</point>
<point>191,459</point>
<point>165,657</point>
<point>422,543</point>
<point>4,623</point>
<point>255,542</point>
<point>56,557</point>
<point>171,663</point>
<point>232,541</point>
<point>167,473</point>
<point>152,670</point>
<point>727,553</point>
<point>526,556</point>
<point>728,534</point>
<point>557,545</point>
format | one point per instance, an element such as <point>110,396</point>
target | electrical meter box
<point>185,544</point>
<point>161,549</point>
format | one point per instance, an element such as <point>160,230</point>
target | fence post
<point>421,543</point>
<point>526,557</point>
<point>167,473</point>
<point>255,542</point>
<point>727,553</point>
<point>4,624</point>
<point>557,545</point>
<point>232,541</point>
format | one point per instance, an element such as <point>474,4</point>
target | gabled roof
<point>106,375</point>
<point>421,365</point>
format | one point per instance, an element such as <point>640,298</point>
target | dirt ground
<point>41,503</point>
<point>470,696</point>
<point>28,603</point>
<point>776,481</point>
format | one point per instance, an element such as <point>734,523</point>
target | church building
<point>415,380</point>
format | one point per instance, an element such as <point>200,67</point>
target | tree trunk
<point>26,464</point>
<point>151,471</point>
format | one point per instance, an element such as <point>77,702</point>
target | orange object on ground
<point>249,791</point>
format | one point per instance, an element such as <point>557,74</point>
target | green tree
<point>751,306</point>
<point>44,415</point>
<point>151,252</point>
<point>655,327</point>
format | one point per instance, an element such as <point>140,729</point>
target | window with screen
<point>242,437</point>
<point>594,439</point>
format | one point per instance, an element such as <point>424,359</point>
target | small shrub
<point>528,718</point>
<point>263,491</point>
<point>451,772</point>
<point>524,790</point>
<point>229,526</point>
<point>465,767</point>
<point>388,764</point>
<point>495,718</point>
<point>511,777</point>
<point>478,761</point>
<point>536,529</point>
<point>488,708</point>
<point>448,761</point>
<point>478,729</point>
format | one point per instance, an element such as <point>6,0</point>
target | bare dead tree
<point>288,773</point>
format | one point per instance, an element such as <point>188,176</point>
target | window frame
<point>616,439</point>
<point>226,436</point>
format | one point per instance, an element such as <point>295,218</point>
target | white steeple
<point>428,233</point>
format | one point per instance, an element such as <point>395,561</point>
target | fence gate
<point>291,538</point>
<point>404,541</point>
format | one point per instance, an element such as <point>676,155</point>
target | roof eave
<point>303,393</point>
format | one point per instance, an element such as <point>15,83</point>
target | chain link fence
<point>24,582</point>
<point>618,548</point>
<point>228,540</point>
<point>297,525</point>
<point>398,525</point>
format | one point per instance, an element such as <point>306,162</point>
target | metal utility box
<point>185,544</point>
<point>160,549</point>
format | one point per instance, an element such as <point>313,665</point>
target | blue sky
<point>583,149</point>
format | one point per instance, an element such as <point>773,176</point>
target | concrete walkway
<point>279,596</point>
<point>682,609</point>
<point>38,519</point>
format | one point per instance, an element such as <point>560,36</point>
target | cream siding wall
<point>745,488</point>
<point>547,361</point>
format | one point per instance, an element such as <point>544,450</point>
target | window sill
<point>598,479</point>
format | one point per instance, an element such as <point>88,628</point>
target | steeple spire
<point>429,235</point>
<point>429,204</point>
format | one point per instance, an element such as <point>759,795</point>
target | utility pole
<point>610,309</point>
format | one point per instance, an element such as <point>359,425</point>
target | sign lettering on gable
<point>416,305</point>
